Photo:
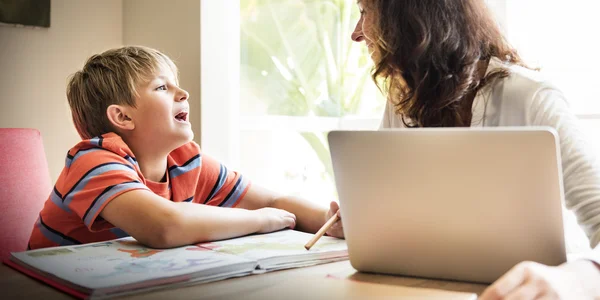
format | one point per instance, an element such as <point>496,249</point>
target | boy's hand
<point>273,219</point>
<point>337,230</point>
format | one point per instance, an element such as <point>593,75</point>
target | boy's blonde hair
<point>110,78</point>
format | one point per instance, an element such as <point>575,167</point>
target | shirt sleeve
<point>93,180</point>
<point>581,169</point>
<point>226,187</point>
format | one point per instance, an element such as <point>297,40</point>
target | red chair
<point>24,186</point>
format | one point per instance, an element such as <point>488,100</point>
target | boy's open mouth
<point>182,116</point>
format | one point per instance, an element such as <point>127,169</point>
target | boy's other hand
<point>337,230</point>
<point>273,219</point>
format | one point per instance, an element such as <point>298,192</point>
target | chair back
<point>24,186</point>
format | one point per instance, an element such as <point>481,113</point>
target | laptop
<point>450,203</point>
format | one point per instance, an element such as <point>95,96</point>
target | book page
<point>125,261</point>
<point>282,249</point>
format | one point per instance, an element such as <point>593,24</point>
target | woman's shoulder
<point>522,84</point>
<point>520,78</point>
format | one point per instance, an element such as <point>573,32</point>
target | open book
<point>124,266</point>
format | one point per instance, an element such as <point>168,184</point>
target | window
<point>558,37</point>
<point>299,76</point>
<point>278,75</point>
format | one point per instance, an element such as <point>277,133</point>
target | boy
<point>137,172</point>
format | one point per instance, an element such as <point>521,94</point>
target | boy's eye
<point>162,88</point>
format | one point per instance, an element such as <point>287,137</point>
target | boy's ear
<point>120,117</point>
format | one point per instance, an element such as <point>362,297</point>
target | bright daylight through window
<point>286,72</point>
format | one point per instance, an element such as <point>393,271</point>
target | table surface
<point>15,285</point>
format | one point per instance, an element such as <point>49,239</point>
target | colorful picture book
<point>124,266</point>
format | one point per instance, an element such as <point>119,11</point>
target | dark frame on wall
<point>25,12</point>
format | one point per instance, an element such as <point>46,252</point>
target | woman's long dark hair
<point>428,57</point>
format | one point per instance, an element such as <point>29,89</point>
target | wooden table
<point>14,285</point>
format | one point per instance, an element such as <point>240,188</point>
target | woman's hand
<point>337,230</point>
<point>529,280</point>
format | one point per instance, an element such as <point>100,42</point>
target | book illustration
<point>194,263</point>
<point>92,246</point>
<point>130,242</point>
<point>240,249</point>
<point>140,253</point>
<point>125,266</point>
<point>243,248</point>
<point>286,243</point>
<point>141,266</point>
<point>124,261</point>
<point>198,249</point>
<point>277,241</point>
<point>51,252</point>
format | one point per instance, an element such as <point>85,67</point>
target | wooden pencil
<point>322,231</point>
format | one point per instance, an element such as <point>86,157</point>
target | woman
<point>446,64</point>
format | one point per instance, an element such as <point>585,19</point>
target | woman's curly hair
<point>428,57</point>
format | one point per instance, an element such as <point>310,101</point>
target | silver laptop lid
<point>452,203</point>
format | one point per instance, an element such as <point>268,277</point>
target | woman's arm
<point>580,164</point>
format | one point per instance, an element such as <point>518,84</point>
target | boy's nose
<point>183,95</point>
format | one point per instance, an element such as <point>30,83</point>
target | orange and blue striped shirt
<point>99,169</point>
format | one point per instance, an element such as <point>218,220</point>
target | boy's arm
<point>309,215</point>
<point>161,223</point>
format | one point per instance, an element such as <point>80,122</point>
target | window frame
<point>221,120</point>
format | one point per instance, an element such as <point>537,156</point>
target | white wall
<point>173,27</point>
<point>36,62</point>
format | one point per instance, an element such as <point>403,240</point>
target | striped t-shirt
<point>100,169</point>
